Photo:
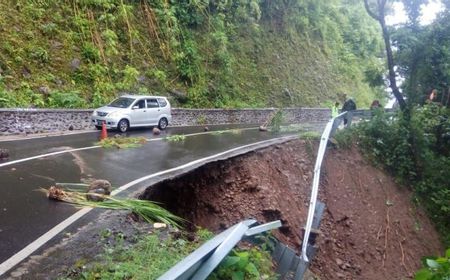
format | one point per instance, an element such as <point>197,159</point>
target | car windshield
<point>122,102</point>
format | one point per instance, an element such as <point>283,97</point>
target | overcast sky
<point>429,13</point>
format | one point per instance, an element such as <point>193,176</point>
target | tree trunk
<point>380,17</point>
<point>390,62</point>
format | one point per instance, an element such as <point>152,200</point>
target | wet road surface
<point>36,146</point>
<point>26,213</point>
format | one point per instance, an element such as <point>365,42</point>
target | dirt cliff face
<point>370,229</point>
<point>267,185</point>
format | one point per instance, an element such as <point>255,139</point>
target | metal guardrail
<point>329,130</point>
<point>200,263</point>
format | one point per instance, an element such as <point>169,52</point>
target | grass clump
<point>175,138</point>
<point>122,142</point>
<point>147,210</point>
<point>149,258</point>
<point>153,255</point>
<point>276,121</point>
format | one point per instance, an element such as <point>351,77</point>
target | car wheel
<point>98,127</point>
<point>123,125</point>
<point>162,124</point>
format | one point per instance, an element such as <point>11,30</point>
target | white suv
<point>133,111</point>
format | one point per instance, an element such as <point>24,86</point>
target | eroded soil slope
<point>370,229</point>
<point>267,185</point>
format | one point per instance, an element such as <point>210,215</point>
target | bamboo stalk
<point>122,5</point>
<point>148,210</point>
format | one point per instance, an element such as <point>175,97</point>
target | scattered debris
<point>98,189</point>
<point>146,210</point>
<point>159,225</point>
<point>4,154</point>
<point>57,193</point>
<point>175,138</point>
<point>122,142</point>
<point>156,131</point>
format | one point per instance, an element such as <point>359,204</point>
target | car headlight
<point>114,114</point>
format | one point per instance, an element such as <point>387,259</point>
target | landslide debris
<point>370,229</point>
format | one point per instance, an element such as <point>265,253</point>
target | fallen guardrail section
<point>200,263</point>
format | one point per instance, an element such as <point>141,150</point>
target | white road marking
<point>46,155</point>
<point>11,138</point>
<point>30,248</point>
<point>97,146</point>
<point>19,138</point>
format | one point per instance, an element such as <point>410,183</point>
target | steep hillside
<point>207,53</point>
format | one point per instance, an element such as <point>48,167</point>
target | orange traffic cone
<point>104,132</point>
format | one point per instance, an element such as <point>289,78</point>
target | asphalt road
<point>25,213</point>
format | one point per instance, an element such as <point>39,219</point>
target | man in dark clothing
<point>348,106</point>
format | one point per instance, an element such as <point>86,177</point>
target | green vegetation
<point>435,268</point>
<point>147,210</point>
<point>219,53</point>
<point>416,150</point>
<point>155,253</point>
<point>149,258</point>
<point>276,121</point>
<point>251,264</point>
<point>175,138</point>
<point>122,142</point>
<point>344,138</point>
<point>418,49</point>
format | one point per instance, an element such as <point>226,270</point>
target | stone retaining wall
<point>28,121</point>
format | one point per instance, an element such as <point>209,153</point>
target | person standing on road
<point>335,110</point>
<point>348,107</point>
<point>375,105</point>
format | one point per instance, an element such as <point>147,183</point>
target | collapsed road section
<point>362,236</point>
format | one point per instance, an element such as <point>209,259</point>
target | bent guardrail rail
<point>329,130</point>
<point>330,127</point>
<point>200,263</point>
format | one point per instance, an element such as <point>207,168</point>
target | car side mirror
<point>135,107</point>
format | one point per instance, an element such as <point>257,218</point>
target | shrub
<point>249,264</point>
<point>90,53</point>
<point>415,149</point>
<point>40,54</point>
<point>276,121</point>
<point>344,138</point>
<point>58,99</point>
<point>435,268</point>
<point>49,28</point>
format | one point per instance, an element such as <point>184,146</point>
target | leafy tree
<point>377,10</point>
<point>423,56</point>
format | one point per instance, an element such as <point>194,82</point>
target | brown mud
<point>370,228</point>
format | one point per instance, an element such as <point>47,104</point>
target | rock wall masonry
<point>30,121</point>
